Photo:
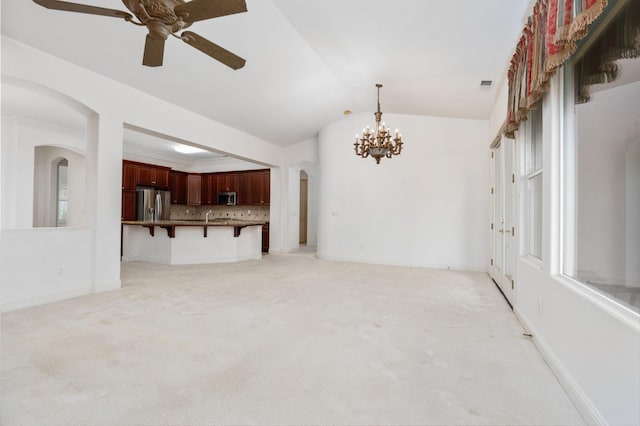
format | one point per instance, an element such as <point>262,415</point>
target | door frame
<point>503,247</point>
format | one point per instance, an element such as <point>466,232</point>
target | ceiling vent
<point>486,84</point>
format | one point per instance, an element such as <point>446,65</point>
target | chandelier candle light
<point>381,144</point>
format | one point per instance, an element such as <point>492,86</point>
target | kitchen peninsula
<point>192,241</point>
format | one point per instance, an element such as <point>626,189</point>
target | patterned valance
<point>548,39</point>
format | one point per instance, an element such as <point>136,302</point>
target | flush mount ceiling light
<point>381,143</point>
<point>186,149</point>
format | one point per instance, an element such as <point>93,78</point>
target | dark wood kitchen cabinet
<point>252,187</point>
<point>228,182</point>
<point>144,175</point>
<point>186,188</point>
<point>265,238</point>
<point>212,183</point>
<point>260,187</point>
<point>155,176</point>
<point>129,176</point>
<point>243,188</point>
<point>266,187</point>
<point>178,187</point>
<point>194,189</point>
<point>128,205</point>
<point>208,188</point>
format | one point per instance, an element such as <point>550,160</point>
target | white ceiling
<point>307,60</point>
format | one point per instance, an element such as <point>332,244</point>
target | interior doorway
<point>304,206</point>
<point>503,238</point>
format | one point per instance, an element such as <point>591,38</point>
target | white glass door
<point>502,267</point>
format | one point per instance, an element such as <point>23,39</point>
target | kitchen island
<point>191,241</point>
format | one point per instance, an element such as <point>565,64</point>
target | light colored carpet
<point>286,340</point>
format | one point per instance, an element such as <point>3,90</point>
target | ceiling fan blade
<point>83,8</point>
<point>199,10</point>
<point>153,52</point>
<point>216,52</point>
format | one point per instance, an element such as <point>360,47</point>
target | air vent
<point>486,83</point>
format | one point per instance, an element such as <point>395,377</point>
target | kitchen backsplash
<point>184,212</point>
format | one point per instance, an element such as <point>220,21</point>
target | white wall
<point>426,207</point>
<point>590,342</point>
<point>43,265</point>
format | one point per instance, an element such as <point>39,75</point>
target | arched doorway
<point>304,207</point>
<point>62,186</point>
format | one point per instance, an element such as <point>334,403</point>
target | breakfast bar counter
<point>191,241</point>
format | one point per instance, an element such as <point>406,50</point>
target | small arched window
<point>61,193</point>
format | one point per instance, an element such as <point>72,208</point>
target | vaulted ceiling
<point>307,60</point>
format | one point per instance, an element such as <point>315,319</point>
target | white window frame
<point>531,171</point>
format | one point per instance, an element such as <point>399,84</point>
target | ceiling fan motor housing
<point>158,16</point>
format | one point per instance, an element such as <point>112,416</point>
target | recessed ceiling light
<point>186,149</point>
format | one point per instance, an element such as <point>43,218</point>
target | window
<point>62,187</point>
<point>533,186</point>
<point>601,159</point>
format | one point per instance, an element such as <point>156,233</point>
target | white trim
<point>606,303</point>
<point>532,261</point>
<point>386,262</point>
<point>585,407</point>
<point>27,303</point>
<point>534,174</point>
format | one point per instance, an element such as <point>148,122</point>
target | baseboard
<point>27,303</point>
<point>585,407</point>
<point>102,287</point>
<point>426,265</point>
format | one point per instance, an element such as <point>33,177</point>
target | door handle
<point>512,232</point>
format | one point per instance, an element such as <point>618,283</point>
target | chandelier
<point>381,143</point>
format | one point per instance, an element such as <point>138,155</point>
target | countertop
<point>212,222</point>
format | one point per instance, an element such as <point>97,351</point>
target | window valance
<point>547,40</point>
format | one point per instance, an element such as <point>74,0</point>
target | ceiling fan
<point>164,18</point>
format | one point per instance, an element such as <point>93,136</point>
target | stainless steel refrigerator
<point>152,204</point>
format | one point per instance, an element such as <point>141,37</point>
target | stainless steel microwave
<point>227,198</point>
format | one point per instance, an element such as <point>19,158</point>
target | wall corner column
<point>103,198</point>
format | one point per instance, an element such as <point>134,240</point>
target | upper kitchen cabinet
<point>209,188</point>
<point>128,176</point>
<point>155,176</point>
<point>259,187</point>
<point>178,187</point>
<point>228,182</point>
<point>244,182</point>
<point>186,188</point>
<point>194,189</point>
<point>144,174</point>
